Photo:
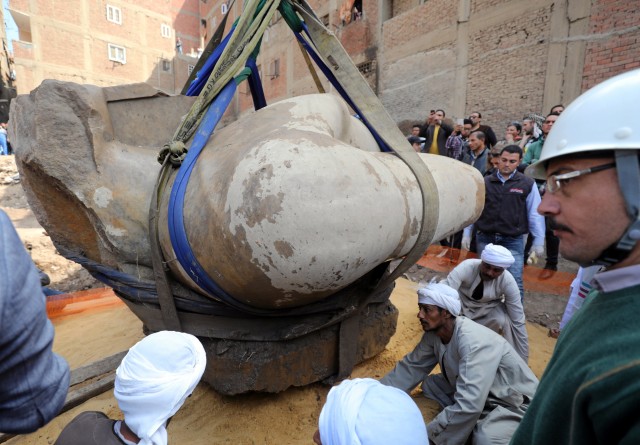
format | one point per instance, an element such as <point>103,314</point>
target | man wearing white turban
<point>152,382</point>
<point>484,388</point>
<point>489,295</point>
<point>365,412</point>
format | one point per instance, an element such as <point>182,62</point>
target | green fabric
<point>590,391</point>
<point>533,152</point>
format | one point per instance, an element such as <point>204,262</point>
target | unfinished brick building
<point>501,57</point>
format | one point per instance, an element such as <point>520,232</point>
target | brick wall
<point>506,71</point>
<point>425,18</point>
<point>402,6</point>
<point>618,47</point>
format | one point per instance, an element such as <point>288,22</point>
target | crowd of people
<point>473,321</point>
<point>510,217</point>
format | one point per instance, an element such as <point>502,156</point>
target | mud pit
<point>289,417</point>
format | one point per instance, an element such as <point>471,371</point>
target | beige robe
<point>500,307</point>
<point>485,387</point>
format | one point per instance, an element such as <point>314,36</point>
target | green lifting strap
<point>334,54</point>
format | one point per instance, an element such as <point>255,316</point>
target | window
<point>367,67</point>
<point>117,53</point>
<point>224,8</point>
<point>114,14</point>
<point>166,65</point>
<point>165,30</point>
<point>274,68</point>
<point>190,69</point>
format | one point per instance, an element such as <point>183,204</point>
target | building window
<point>274,68</point>
<point>114,15</point>
<point>166,65</point>
<point>117,53</point>
<point>367,67</point>
<point>165,30</point>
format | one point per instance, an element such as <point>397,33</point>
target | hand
<point>539,250</point>
<point>466,243</point>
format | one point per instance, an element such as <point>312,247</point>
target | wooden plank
<point>96,368</point>
<point>104,371</point>
<point>77,396</point>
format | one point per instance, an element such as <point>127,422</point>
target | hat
<point>497,256</point>
<point>441,295</point>
<point>366,412</point>
<point>154,379</point>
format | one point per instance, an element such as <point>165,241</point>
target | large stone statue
<point>285,206</point>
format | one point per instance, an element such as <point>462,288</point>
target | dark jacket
<point>443,134</point>
<point>505,205</point>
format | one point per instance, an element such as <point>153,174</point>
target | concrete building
<point>105,42</point>
<point>7,74</point>
<point>503,58</point>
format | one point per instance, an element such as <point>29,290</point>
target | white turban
<point>497,256</point>
<point>441,295</point>
<point>366,412</point>
<point>154,379</point>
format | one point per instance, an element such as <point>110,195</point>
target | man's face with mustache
<point>588,212</point>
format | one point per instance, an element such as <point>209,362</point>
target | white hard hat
<point>603,118</point>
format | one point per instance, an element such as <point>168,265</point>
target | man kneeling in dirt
<point>152,382</point>
<point>489,295</point>
<point>484,388</point>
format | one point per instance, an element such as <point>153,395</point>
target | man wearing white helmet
<point>590,391</point>
<point>484,387</point>
<point>490,296</point>
<point>152,382</point>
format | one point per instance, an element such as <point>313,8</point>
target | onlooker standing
<point>532,155</point>
<point>455,143</point>
<point>512,135</point>
<point>476,118</point>
<point>510,212</point>
<point>436,135</point>
<point>530,132</point>
<point>478,152</point>
<point>4,149</point>
<point>533,152</point>
<point>557,109</point>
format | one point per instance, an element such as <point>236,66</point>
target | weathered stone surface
<point>284,207</point>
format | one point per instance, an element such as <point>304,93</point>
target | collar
<point>617,279</point>
<point>502,178</point>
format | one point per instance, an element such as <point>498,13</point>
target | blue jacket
<point>33,380</point>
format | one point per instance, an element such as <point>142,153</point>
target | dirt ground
<point>207,417</point>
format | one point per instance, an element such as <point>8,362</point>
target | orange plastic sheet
<point>536,279</point>
<point>81,302</point>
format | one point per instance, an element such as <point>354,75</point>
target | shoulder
<point>88,428</point>
<point>473,336</point>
